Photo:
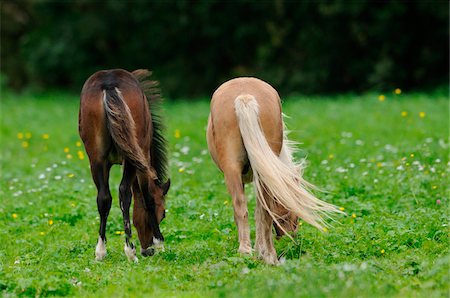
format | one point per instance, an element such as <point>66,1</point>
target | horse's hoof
<point>245,250</point>
<point>130,253</point>
<point>100,250</point>
<point>271,260</point>
<point>148,252</point>
<point>158,245</point>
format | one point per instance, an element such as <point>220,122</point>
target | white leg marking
<point>130,253</point>
<point>100,250</point>
<point>158,245</point>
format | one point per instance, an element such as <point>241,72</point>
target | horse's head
<point>141,218</point>
<point>159,194</point>
<point>286,219</point>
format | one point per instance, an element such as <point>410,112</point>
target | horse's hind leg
<point>100,175</point>
<point>233,180</point>
<point>264,246</point>
<point>129,174</point>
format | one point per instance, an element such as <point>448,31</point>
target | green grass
<point>385,169</point>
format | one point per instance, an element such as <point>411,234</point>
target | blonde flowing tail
<point>279,176</point>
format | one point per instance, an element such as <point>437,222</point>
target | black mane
<point>158,150</point>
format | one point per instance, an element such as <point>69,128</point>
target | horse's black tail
<point>121,126</point>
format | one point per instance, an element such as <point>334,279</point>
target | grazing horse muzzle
<point>148,252</point>
<point>287,223</point>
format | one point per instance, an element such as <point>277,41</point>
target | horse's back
<point>224,137</point>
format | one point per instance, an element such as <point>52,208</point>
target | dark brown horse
<point>118,125</point>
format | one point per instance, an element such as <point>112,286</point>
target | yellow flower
<point>422,114</point>
<point>412,155</point>
<point>45,136</point>
<point>78,144</point>
<point>331,156</point>
<point>434,187</point>
<point>20,136</point>
<point>14,215</point>
<point>325,230</point>
<point>225,202</point>
<point>397,91</point>
<point>379,164</point>
<point>120,232</point>
<point>69,156</point>
<point>382,251</point>
<point>70,175</point>
<point>42,233</point>
<point>404,113</point>
<point>28,135</point>
<point>25,144</point>
<point>353,215</point>
<point>177,133</point>
<point>381,97</point>
<point>50,222</point>
<point>66,150</point>
<point>72,204</point>
<point>181,170</point>
<point>341,208</point>
<point>80,155</point>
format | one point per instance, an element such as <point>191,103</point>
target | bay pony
<point>119,124</point>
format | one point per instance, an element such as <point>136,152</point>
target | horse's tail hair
<point>121,126</point>
<point>278,176</point>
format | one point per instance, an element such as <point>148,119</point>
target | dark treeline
<point>193,46</point>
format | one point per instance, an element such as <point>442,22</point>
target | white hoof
<point>245,250</point>
<point>100,250</point>
<point>130,253</point>
<point>158,245</point>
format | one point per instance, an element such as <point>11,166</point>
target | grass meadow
<point>383,158</point>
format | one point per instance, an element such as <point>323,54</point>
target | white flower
<point>185,150</point>
<point>42,176</point>
<point>341,170</point>
<point>345,134</point>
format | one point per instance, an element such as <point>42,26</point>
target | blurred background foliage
<point>193,46</point>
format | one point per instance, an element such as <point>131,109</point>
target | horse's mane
<point>158,150</point>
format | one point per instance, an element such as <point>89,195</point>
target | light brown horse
<point>247,141</point>
<point>118,127</point>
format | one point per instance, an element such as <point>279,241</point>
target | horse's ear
<point>165,187</point>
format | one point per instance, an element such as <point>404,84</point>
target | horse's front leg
<point>129,174</point>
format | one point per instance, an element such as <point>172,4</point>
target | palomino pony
<point>247,140</point>
<point>118,127</point>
